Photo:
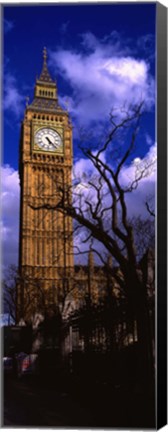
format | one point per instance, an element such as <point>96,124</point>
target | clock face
<point>48,139</point>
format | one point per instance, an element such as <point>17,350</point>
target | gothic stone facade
<point>46,237</point>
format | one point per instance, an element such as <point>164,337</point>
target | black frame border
<point>161,306</point>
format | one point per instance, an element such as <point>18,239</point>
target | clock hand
<point>50,142</point>
<point>48,139</point>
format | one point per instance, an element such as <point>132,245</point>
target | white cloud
<point>10,214</point>
<point>82,167</point>
<point>13,99</point>
<point>101,78</point>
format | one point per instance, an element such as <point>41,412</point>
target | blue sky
<point>101,55</point>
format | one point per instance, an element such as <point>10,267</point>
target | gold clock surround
<point>36,127</point>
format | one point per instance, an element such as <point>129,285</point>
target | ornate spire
<point>45,76</point>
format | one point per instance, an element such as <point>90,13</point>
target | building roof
<point>45,76</point>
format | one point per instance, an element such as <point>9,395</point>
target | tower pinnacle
<point>45,53</point>
<point>45,92</point>
<point>45,75</point>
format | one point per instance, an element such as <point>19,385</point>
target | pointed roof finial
<point>45,53</point>
<point>45,76</point>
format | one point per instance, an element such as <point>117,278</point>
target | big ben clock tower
<point>45,253</point>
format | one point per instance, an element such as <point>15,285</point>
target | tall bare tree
<point>98,204</point>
